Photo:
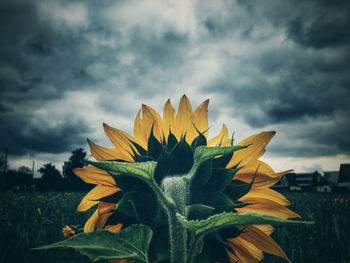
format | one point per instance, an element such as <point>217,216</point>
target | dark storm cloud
<point>37,66</point>
<point>43,57</point>
<point>276,64</point>
<point>25,135</point>
<point>303,80</point>
<point>321,24</point>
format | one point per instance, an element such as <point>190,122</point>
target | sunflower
<point>238,183</point>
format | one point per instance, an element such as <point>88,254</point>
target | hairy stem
<point>175,188</point>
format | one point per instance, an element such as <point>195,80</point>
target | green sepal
<point>198,211</point>
<point>219,180</point>
<point>139,148</point>
<point>113,198</point>
<point>131,243</point>
<point>144,206</point>
<point>143,171</point>
<point>237,189</point>
<point>203,153</point>
<point>184,155</point>
<point>172,141</point>
<point>223,220</point>
<point>167,165</point>
<point>200,140</point>
<point>154,146</point>
<point>202,175</point>
<point>222,161</point>
<point>220,201</point>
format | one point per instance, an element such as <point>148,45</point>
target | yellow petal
<point>101,153</point>
<point>253,250</point>
<point>268,194</point>
<point>256,149</point>
<point>91,223</point>
<point>120,141</point>
<point>152,118</point>
<point>199,119</point>
<point>114,228</point>
<point>93,175</point>
<point>262,241</point>
<point>183,117</point>
<point>241,252</point>
<point>267,229</point>
<point>264,206</point>
<point>96,193</point>
<point>104,207</point>
<point>223,135</point>
<point>102,219</point>
<point>139,131</point>
<point>262,180</point>
<point>232,257</point>
<point>168,118</point>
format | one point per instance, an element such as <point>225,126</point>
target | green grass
<point>23,227</point>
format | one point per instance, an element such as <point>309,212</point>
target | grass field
<point>33,219</point>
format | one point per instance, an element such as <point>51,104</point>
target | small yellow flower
<point>338,201</point>
<point>68,232</point>
<point>39,211</point>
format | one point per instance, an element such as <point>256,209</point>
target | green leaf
<point>203,153</point>
<point>142,170</point>
<point>219,221</point>
<point>199,211</point>
<point>130,243</point>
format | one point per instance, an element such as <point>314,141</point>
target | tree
<point>51,178</point>
<point>21,178</point>
<point>75,162</point>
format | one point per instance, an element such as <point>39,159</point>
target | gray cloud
<point>277,65</point>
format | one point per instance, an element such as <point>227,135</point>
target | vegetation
<point>33,219</point>
<point>51,178</point>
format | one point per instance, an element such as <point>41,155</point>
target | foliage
<point>20,178</point>
<point>23,227</point>
<point>74,161</point>
<point>51,178</point>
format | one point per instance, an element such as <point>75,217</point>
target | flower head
<point>237,182</point>
<point>68,231</point>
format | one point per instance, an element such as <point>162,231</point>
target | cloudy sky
<point>68,66</point>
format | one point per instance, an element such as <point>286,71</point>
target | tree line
<point>51,178</point>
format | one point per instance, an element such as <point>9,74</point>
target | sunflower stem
<point>195,244</point>
<point>175,188</point>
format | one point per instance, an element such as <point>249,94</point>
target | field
<point>33,219</point>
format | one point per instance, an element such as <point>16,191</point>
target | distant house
<point>344,177</point>
<point>302,181</point>
<point>331,181</point>
<point>332,177</point>
<point>297,182</point>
